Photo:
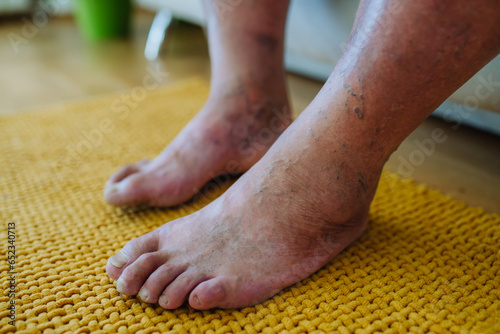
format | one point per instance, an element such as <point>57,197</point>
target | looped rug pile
<point>427,263</point>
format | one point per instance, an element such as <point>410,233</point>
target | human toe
<point>124,172</point>
<point>132,190</point>
<point>158,281</point>
<point>130,252</point>
<point>177,292</point>
<point>133,277</point>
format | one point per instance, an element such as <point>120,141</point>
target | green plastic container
<point>103,19</point>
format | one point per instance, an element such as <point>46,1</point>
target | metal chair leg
<point>157,33</point>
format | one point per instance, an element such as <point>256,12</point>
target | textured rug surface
<point>427,263</point>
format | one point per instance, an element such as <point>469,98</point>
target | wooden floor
<point>54,65</point>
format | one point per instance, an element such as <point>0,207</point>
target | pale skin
<point>306,183</point>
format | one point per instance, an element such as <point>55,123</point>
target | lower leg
<point>246,111</point>
<point>246,47</point>
<point>308,197</point>
<point>405,58</point>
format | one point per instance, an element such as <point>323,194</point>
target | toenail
<point>119,260</point>
<point>144,295</point>
<point>163,300</point>
<point>112,189</point>
<point>196,300</point>
<point>120,284</point>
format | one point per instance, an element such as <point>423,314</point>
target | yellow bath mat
<point>427,263</point>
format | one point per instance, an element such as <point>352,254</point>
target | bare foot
<point>298,207</point>
<point>245,113</point>
<point>229,135</point>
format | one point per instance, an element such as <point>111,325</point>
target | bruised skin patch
<point>255,121</point>
<point>268,42</point>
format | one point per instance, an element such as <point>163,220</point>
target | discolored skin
<point>308,197</point>
<point>247,95</point>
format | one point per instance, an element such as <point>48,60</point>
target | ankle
<point>268,84</point>
<point>266,98</point>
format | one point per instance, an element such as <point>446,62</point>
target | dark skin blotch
<point>359,98</point>
<point>359,113</point>
<point>349,89</point>
<point>361,180</point>
<point>269,43</point>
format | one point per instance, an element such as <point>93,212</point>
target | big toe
<point>131,190</point>
<point>210,294</point>
<point>133,250</point>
